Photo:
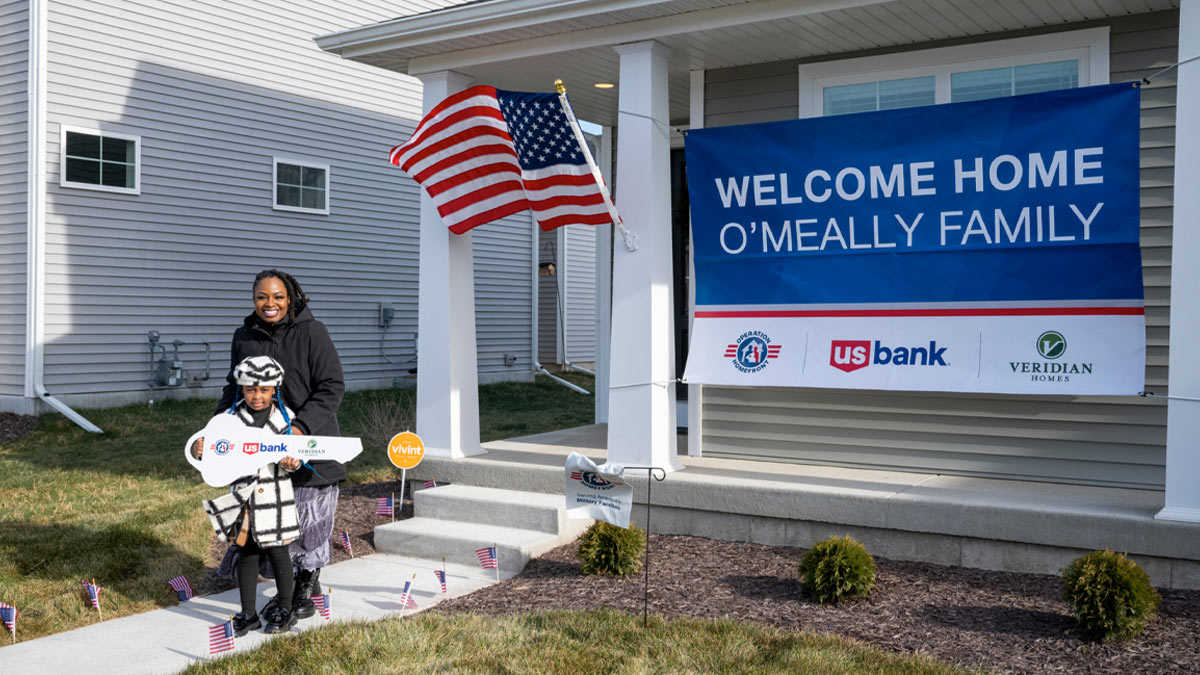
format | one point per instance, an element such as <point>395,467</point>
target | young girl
<point>259,513</point>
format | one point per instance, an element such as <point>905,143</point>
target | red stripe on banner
<point>997,311</point>
<point>548,224</point>
<point>488,216</point>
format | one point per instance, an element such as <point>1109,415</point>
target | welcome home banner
<point>989,246</point>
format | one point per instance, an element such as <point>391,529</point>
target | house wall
<point>215,90</point>
<point>1113,440</point>
<point>579,292</point>
<point>14,64</point>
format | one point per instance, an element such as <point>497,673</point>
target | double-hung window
<point>100,160</point>
<point>955,74</point>
<point>301,186</point>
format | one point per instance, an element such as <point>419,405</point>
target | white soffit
<point>527,44</point>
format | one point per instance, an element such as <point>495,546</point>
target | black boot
<point>302,604</point>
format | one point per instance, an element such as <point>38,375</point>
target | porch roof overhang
<point>525,45</point>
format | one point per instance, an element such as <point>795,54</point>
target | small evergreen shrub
<point>612,550</point>
<point>836,569</point>
<point>1111,595</point>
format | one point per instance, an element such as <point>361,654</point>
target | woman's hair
<point>296,297</point>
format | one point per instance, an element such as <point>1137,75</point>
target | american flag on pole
<point>385,507</point>
<point>182,588</point>
<point>323,604</point>
<point>93,592</point>
<point>8,614</point>
<point>485,153</point>
<point>487,557</point>
<point>441,578</point>
<point>345,537</point>
<point>220,638</point>
<point>406,598</point>
<point>430,483</point>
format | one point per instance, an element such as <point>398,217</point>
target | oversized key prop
<point>233,450</point>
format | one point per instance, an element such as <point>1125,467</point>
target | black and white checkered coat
<point>268,496</point>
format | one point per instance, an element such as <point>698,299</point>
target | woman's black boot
<point>302,604</point>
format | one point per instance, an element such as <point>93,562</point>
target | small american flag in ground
<point>487,557</point>
<point>385,507</point>
<point>485,153</point>
<point>93,592</point>
<point>406,598</point>
<point>322,603</point>
<point>430,483</point>
<point>441,578</point>
<point>345,537</point>
<point>220,638</point>
<point>182,588</point>
<point>8,614</point>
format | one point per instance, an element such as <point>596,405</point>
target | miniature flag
<point>182,588</point>
<point>345,540</point>
<point>485,153</point>
<point>441,578</point>
<point>93,592</point>
<point>406,598</point>
<point>487,558</point>
<point>322,603</point>
<point>385,507</point>
<point>430,483</point>
<point>220,638</point>
<point>8,614</point>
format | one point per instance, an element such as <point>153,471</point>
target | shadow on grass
<point>1023,623</point>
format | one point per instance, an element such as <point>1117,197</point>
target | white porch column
<point>447,381</point>
<point>641,405</point>
<point>604,243</point>
<point>1182,499</point>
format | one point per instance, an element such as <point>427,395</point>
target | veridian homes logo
<point>1050,345</point>
<point>850,355</point>
<point>751,351</point>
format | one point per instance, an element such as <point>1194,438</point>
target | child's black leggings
<point>248,574</point>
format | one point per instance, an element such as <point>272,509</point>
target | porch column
<point>1182,499</point>
<point>641,412</point>
<point>447,382</point>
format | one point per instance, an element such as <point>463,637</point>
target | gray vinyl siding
<point>1118,440</point>
<point>548,299</point>
<point>215,90</point>
<point>579,292</point>
<point>14,113</point>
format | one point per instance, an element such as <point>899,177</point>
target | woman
<point>283,327</point>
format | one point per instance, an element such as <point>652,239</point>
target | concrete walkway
<point>168,640</point>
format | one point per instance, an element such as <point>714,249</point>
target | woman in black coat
<point>283,327</point>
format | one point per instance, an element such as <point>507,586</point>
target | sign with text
<point>597,491</point>
<point>406,450</point>
<point>988,246</point>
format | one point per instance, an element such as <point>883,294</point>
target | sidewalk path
<point>167,640</point>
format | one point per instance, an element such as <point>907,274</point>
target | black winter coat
<point>312,380</point>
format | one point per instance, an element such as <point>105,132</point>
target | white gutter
<point>35,211</point>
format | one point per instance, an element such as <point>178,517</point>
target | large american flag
<point>8,614</point>
<point>487,557</point>
<point>220,637</point>
<point>485,153</point>
<point>93,592</point>
<point>182,588</point>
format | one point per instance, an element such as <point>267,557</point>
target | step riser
<point>525,517</point>
<point>428,547</point>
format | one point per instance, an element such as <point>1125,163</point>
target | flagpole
<point>394,505</point>
<point>629,238</point>
<point>496,546</point>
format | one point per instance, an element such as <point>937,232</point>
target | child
<point>259,513</point>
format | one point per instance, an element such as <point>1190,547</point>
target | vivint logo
<point>849,355</point>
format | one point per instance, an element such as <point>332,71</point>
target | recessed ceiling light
<point>604,85</point>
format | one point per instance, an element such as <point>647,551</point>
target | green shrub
<point>837,569</point>
<point>1111,595</point>
<point>608,549</point>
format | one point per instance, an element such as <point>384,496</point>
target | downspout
<point>35,211</point>
<point>533,357</point>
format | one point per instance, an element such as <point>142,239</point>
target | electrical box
<point>386,314</point>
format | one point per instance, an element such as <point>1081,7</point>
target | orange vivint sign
<point>406,450</point>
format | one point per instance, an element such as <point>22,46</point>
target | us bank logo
<point>752,351</point>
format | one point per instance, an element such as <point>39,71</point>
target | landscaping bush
<point>837,569</point>
<point>608,549</point>
<point>1111,595</point>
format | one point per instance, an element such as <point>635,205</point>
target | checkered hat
<point>262,371</point>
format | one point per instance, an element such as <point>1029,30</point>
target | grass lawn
<point>561,642</point>
<point>123,507</point>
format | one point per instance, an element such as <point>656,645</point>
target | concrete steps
<point>454,520</point>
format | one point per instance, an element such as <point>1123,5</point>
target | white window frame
<point>276,161</point>
<point>1089,46</point>
<point>62,156</point>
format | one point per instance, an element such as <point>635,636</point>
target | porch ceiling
<point>526,44</point>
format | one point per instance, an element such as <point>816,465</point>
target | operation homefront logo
<point>850,355</point>
<point>752,351</point>
<point>591,479</point>
<point>221,447</point>
<point>1050,345</point>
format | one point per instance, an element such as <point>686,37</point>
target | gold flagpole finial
<point>558,84</point>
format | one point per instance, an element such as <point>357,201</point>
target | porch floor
<point>984,523</point>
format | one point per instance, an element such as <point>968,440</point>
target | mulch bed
<point>13,426</point>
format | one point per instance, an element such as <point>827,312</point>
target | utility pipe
<point>35,209</point>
